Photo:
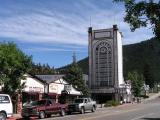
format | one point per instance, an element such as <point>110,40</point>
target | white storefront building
<point>57,87</point>
<point>32,84</point>
<point>34,88</point>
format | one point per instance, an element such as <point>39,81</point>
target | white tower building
<point>105,63</point>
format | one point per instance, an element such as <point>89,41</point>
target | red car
<point>43,108</point>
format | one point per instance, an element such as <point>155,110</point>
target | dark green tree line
<point>148,77</point>
<point>43,69</point>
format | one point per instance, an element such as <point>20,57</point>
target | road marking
<point>136,118</point>
<point>116,113</point>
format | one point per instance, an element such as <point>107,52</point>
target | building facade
<point>105,63</point>
<point>59,89</point>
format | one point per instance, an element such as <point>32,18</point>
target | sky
<point>52,30</point>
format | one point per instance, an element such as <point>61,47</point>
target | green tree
<point>13,65</point>
<point>142,13</point>
<point>137,82</point>
<point>149,80</point>
<point>74,76</point>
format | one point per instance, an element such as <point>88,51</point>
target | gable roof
<point>37,78</point>
<point>50,78</point>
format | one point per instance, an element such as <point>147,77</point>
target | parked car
<point>43,108</point>
<point>6,107</point>
<point>82,105</point>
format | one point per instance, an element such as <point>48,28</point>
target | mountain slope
<point>139,56</point>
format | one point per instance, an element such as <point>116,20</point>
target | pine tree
<point>74,76</point>
<point>137,82</point>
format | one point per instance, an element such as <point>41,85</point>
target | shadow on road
<point>151,118</point>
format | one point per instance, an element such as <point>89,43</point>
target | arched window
<point>103,64</point>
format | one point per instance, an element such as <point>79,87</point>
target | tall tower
<point>74,57</point>
<point>105,63</point>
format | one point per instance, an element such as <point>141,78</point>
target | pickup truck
<point>43,108</point>
<point>81,105</point>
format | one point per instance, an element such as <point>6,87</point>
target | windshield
<point>38,103</point>
<point>79,101</point>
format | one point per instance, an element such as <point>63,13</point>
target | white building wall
<point>32,85</point>
<point>59,85</point>
<point>55,88</point>
<point>120,59</point>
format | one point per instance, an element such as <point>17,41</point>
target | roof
<point>50,78</point>
<point>4,94</point>
<point>37,78</point>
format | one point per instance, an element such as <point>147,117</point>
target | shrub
<point>111,103</point>
<point>144,96</point>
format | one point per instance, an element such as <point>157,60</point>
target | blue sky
<point>51,30</point>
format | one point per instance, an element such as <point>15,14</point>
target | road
<point>143,111</point>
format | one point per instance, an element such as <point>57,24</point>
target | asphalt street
<point>143,111</point>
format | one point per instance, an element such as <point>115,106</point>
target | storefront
<point>34,90</point>
<point>69,93</point>
<point>54,89</point>
<point>59,89</point>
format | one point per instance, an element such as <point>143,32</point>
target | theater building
<point>105,64</point>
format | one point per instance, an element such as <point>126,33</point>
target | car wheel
<point>69,113</point>
<point>3,116</point>
<point>41,115</point>
<point>93,109</point>
<point>49,115</point>
<point>25,117</point>
<point>82,110</point>
<point>62,113</point>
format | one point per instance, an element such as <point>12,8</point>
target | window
<point>4,99</point>
<point>86,100</point>
<point>103,60</point>
<point>38,103</point>
<point>78,100</point>
<point>49,102</point>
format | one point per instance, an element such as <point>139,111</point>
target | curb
<point>11,118</point>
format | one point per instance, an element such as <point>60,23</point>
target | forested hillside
<point>143,57</point>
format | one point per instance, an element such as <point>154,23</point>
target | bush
<point>144,96</point>
<point>111,103</point>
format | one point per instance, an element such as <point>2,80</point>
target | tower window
<point>103,60</point>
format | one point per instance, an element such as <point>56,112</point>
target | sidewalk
<point>19,117</point>
<point>119,106</point>
<point>15,117</point>
<point>151,97</point>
